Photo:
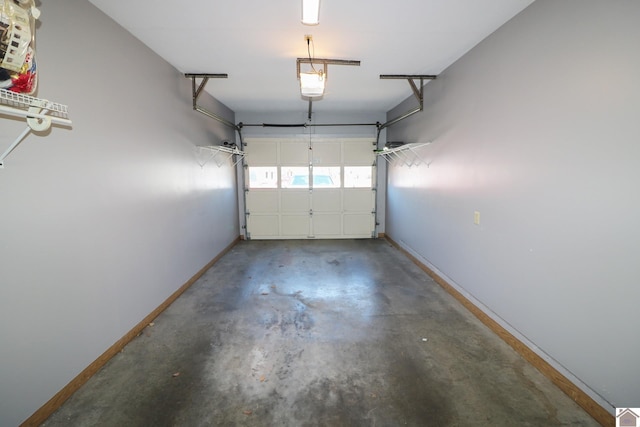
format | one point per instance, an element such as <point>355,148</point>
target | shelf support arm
<point>196,91</point>
<point>417,92</point>
<point>14,145</point>
<point>35,111</point>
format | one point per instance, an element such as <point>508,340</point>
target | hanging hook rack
<point>405,154</point>
<point>215,151</point>
<point>39,114</point>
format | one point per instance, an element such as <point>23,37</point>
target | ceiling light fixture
<point>310,12</point>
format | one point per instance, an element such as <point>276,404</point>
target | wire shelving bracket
<point>39,114</point>
<point>221,154</point>
<point>405,154</point>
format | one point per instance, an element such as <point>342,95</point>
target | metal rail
<point>302,125</point>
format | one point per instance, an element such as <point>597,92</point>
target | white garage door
<point>320,188</point>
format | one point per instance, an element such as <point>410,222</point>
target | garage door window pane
<point>295,176</point>
<point>263,177</point>
<point>357,176</point>
<point>326,177</point>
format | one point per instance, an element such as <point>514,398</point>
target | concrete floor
<point>317,333</point>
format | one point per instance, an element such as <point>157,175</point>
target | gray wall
<point>101,223</point>
<point>538,128</point>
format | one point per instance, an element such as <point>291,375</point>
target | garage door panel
<point>358,200</point>
<point>277,207</point>
<point>295,225</point>
<point>327,153</point>
<point>263,225</point>
<point>326,201</point>
<point>262,201</point>
<point>325,225</point>
<point>294,153</point>
<point>358,153</point>
<point>294,201</point>
<point>358,225</point>
<point>262,153</point>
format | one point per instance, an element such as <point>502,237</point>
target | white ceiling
<point>257,42</point>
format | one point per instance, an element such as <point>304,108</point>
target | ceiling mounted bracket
<point>418,92</point>
<point>196,90</point>
<point>325,62</point>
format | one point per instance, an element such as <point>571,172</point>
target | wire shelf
<point>39,114</point>
<point>19,100</point>
<point>215,150</point>
<point>405,154</point>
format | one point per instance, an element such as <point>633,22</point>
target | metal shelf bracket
<point>196,90</point>
<point>418,92</point>
<point>39,114</point>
